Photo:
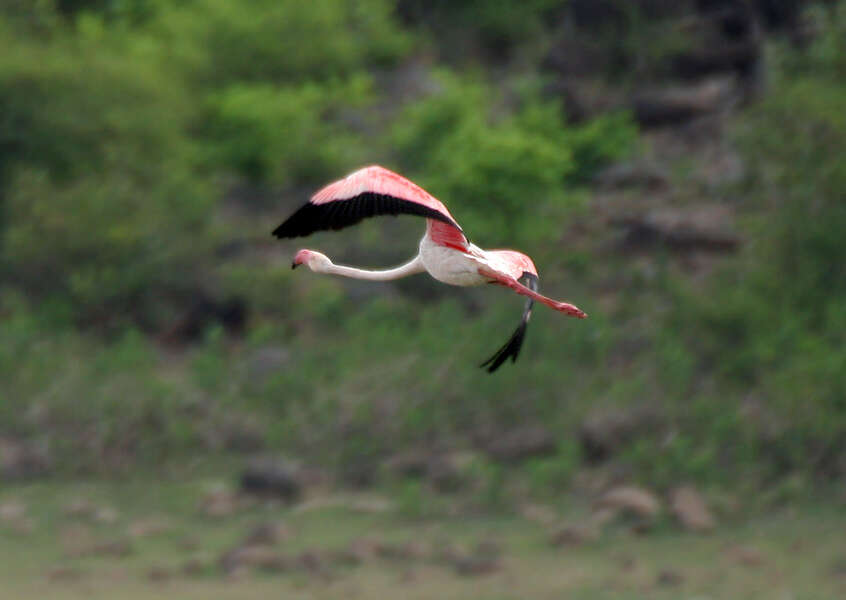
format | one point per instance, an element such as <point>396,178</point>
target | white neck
<point>410,268</point>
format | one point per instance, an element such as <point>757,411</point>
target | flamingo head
<point>313,260</point>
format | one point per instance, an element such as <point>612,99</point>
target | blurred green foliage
<point>520,163</point>
<point>285,135</point>
<point>103,202</point>
<point>222,42</point>
<point>147,148</point>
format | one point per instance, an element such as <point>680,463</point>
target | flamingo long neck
<point>410,268</point>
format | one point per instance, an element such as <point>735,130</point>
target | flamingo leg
<point>521,289</point>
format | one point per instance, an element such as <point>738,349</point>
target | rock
<point>412,550</point>
<point>254,557</point>
<point>363,548</point>
<point>118,548</point>
<point>193,567</point>
<point>702,228</point>
<point>218,504</point>
<point>633,175</point>
<point>23,459</point>
<point>64,574</point>
<point>674,106</point>
<point>74,539</point>
<point>159,573</point>
<point>669,577</point>
<point>441,469</point>
<point>221,502</point>
<point>149,526</point>
<point>409,463</point>
<point>469,566</point>
<point>12,511</point>
<point>13,518</point>
<point>273,477</point>
<point>344,557</point>
<point>105,515</point>
<point>688,506</point>
<point>407,576</point>
<point>603,433</point>
<point>371,505</point>
<point>838,567</point>
<point>446,472</point>
<point>239,573</point>
<point>188,543</point>
<point>447,552</point>
<point>521,443</point>
<point>741,56</point>
<point>78,543</point>
<point>79,508</point>
<point>573,535</point>
<point>485,558</point>
<point>630,499</point>
<point>537,513</point>
<point>268,533</point>
<point>747,555</point>
<point>236,433</point>
<point>489,548</point>
<point>310,561</point>
<point>22,526</point>
<point>600,517</point>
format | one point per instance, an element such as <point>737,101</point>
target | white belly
<point>448,265</point>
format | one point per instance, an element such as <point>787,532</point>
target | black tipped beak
<point>294,265</point>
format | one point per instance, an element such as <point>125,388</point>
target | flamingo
<point>444,251</point>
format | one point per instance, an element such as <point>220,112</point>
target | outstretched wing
<point>511,348</point>
<point>368,192</point>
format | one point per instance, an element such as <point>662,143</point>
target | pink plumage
<point>368,192</point>
<point>378,180</point>
<point>517,263</point>
<point>445,253</point>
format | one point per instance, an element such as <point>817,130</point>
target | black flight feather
<point>511,348</point>
<point>338,214</point>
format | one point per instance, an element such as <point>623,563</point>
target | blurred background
<point>178,407</point>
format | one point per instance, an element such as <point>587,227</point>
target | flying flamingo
<point>445,253</point>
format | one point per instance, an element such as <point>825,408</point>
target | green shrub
<point>85,102</point>
<point>286,135</point>
<point>103,204</point>
<point>112,251</point>
<point>220,42</point>
<point>506,179</point>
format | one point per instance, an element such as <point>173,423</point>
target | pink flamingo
<point>445,253</point>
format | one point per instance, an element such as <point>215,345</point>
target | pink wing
<point>368,192</point>
<point>516,264</point>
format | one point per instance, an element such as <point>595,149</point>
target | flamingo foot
<point>569,309</point>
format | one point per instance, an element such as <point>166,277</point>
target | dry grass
<point>789,554</point>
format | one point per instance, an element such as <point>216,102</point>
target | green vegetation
<point>147,149</point>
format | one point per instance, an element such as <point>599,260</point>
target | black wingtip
<point>511,349</point>
<point>339,214</point>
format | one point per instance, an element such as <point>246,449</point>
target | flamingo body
<point>444,252</point>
